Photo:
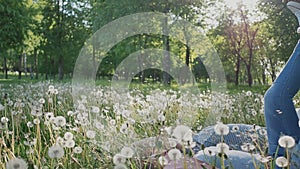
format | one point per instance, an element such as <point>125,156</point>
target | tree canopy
<point>44,37</point>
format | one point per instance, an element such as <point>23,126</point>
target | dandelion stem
<point>288,157</point>
<point>222,161</point>
<point>39,142</point>
<point>13,133</point>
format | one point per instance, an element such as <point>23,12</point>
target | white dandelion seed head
<point>119,159</point>
<point>163,160</point>
<point>95,109</point>
<point>60,121</point>
<point>221,129</point>
<point>56,151</point>
<point>199,128</point>
<point>247,147</point>
<point>98,125</point>
<point>190,144</point>
<point>70,113</point>
<point>42,101</point>
<point>50,101</point>
<point>286,141</point>
<point>254,112</point>
<point>49,115</point>
<point>127,152</point>
<point>262,132</point>
<point>77,150</point>
<point>235,128</point>
<point>36,121</point>
<point>172,142</point>
<point>161,117</point>
<point>182,133</point>
<point>248,93</point>
<point>112,122</point>
<point>51,87</point>
<point>59,140</point>
<point>120,166</point>
<point>90,134</point>
<point>16,163</point>
<point>174,154</point>
<point>69,143</point>
<point>68,136</point>
<point>33,142</point>
<point>55,91</point>
<point>4,120</point>
<point>282,162</point>
<point>262,159</point>
<point>222,148</point>
<point>254,136</point>
<point>169,130</point>
<point>81,107</point>
<point>209,151</point>
<point>29,124</point>
<point>123,128</point>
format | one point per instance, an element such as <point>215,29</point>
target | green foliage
<point>65,28</point>
<point>52,33</point>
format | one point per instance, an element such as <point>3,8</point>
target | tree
<point>250,34</point>
<point>107,11</point>
<point>239,35</point>
<point>13,30</point>
<point>65,28</point>
<point>278,34</point>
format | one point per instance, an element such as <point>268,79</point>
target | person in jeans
<point>280,114</point>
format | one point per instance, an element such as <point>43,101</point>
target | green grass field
<point>47,127</point>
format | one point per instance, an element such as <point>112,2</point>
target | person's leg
<point>280,113</point>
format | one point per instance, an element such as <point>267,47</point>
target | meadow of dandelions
<point>43,126</point>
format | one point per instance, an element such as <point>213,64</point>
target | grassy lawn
<point>39,118</point>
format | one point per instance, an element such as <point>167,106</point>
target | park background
<point>43,126</point>
<point>42,39</point>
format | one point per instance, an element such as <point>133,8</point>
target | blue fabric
<point>236,160</point>
<point>235,139</point>
<point>280,114</point>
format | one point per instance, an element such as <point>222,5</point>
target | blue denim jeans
<point>280,114</point>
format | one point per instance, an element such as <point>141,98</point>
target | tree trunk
<point>249,74</point>
<point>20,66</point>
<point>237,70</point>
<point>48,66</point>
<point>36,67</point>
<point>187,55</point>
<point>273,74</point>
<point>5,68</point>
<point>25,64</point>
<point>263,75</point>
<point>60,20</point>
<point>140,61</point>
<point>249,66</point>
<point>60,68</point>
<point>94,58</point>
<point>167,59</point>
